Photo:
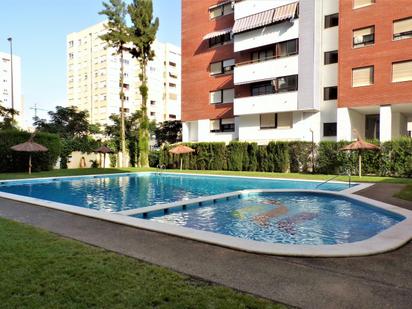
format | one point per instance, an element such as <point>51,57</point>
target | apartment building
<point>93,71</point>
<point>255,70</point>
<point>5,85</point>
<point>375,69</point>
<point>268,70</point>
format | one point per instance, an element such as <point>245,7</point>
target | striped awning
<point>268,17</point>
<point>217,33</point>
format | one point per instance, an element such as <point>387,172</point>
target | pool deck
<point>379,281</point>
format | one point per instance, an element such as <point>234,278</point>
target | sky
<point>39,30</point>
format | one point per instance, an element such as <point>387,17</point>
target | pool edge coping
<point>392,238</point>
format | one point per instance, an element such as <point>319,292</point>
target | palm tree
<point>143,33</point>
<point>117,37</point>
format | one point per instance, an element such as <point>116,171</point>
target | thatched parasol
<point>29,147</point>
<point>179,150</point>
<point>359,146</point>
<point>103,150</point>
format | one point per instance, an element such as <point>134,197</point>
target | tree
<point>67,122</point>
<point>7,119</point>
<point>169,132</point>
<point>73,128</point>
<point>143,33</point>
<point>132,133</point>
<point>117,37</point>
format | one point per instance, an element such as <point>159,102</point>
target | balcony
<point>264,70</point>
<point>267,35</point>
<point>270,103</point>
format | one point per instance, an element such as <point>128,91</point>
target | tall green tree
<point>143,33</point>
<point>169,132</point>
<point>7,119</point>
<point>67,122</point>
<point>117,37</point>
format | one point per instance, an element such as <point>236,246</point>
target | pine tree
<point>143,33</point>
<point>117,37</point>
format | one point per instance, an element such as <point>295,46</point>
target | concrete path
<point>380,281</point>
<point>384,192</point>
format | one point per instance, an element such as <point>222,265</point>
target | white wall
<point>270,103</point>
<point>266,35</point>
<point>303,122</point>
<point>250,7</point>
<point>265,70</point>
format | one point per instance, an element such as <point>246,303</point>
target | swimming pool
<point>335,224</point>
<point>121,192</point>
<point>283,217</point>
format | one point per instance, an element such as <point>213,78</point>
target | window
<point>280,84</point>
<point>152,102</point>
<point>172,64</point>
<point>362,76</point>
<point>331,20</point>
<point>71,56</point>
<point>287,48</point>
<point>222,125</point>
<point>402,71</point>
<point>361,3</point>
<point>287,83</point>
<point>171,85</point>
<point>263,55</point>
<point>262,88</point>
<point>363,37</point>
<point>220,10</point>
<point>372,126</point>
<point>171,116</point>
<point>221,67</point>
<point>222,96</point>
<point>228,65</point>
<point>220,39</point>
<point>330,93</point>
<point>331,57</point>
<point>172,75</point>
<point>70,43</point>
<point>172,96</point>
<point>152,114</point>
<point>329,129</point>
<point>276,121</point>
<point>402,29</point>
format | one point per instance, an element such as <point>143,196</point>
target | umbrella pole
<point>181,162</point>
<point>104,160</point>
<point>360,164</point>
<point>29,163</point>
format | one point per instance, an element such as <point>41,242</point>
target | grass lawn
<point>91,171</point>
<point>41,270</point>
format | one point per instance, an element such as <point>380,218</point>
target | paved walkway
<point>380,281</point>
<point>384,192</point>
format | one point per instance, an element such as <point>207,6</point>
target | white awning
<point>217,33</point>
<point>268,17</point>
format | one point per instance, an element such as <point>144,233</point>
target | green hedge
<point>12,161</point>
<point>394,158</point>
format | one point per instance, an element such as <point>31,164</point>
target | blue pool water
<point>287,218</point>
<point>129,191</point>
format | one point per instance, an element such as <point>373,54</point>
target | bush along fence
<point>12,161</point>
<point>393,159</point>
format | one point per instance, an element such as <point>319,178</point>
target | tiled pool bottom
<point>283,218</point>
<point>120,192</point>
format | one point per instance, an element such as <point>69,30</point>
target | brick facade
<point>381,55</point>
<point>196,57</point>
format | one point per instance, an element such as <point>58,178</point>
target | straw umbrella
<point>29,147</point>
<point>103,150</point>
<point>179,150</point>
<point>359,146</point>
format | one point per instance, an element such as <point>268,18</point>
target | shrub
<point>300,156</point>
<point>12,161</point>
<point>252,150</point>
<point>154,158</point>
<point>279,155</point>
<point>236,152</point>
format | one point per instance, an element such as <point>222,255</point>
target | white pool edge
<point>387,240</point>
